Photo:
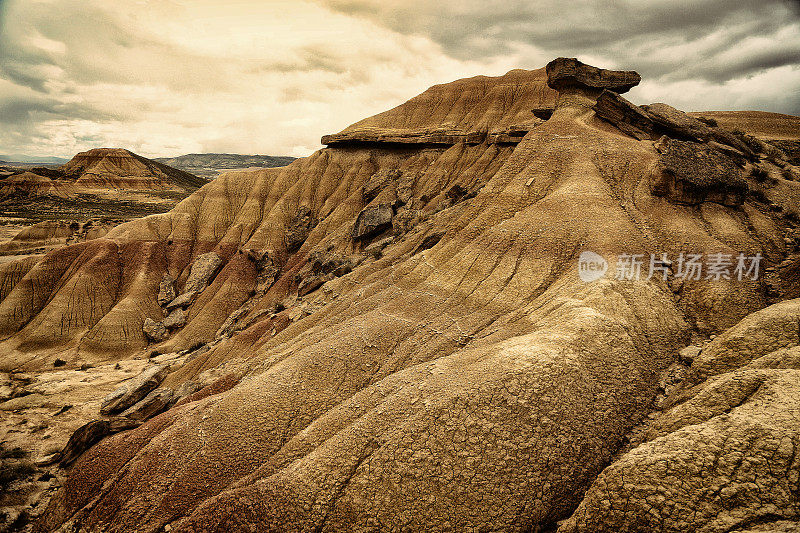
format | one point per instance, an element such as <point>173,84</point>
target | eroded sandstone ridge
<point>392,334</point>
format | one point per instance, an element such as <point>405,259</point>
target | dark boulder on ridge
<point>567,72</point>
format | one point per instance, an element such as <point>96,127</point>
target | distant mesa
<point>760,124</point>
<point>101,168</point>
<point>120,168</point>
<point>104,186</point>
<point>31,160</point>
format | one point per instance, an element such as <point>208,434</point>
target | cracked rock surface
<point>724,456</point>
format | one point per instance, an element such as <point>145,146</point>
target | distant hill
<point>209,166</point>
<point>117,167</point>
<point>761,124</point>
<point>111,182</point>
<point>104,168</point>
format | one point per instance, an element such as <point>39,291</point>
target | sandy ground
<point>38,414</point>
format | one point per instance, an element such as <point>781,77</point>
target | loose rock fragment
<point>166,290</point>
<point>152,404</point>
<point>203,269</point>
<point>155,331</point>
<point>372,220</point>
<point>176,319</point>
<point>133,390</point>
<point>91,433</point>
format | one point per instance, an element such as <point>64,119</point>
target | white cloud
<point>765,91</point>
<point>172,77</point>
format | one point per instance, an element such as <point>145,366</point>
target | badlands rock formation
<point>115,168</point>
<point>392,334</point>
<point>44,208</point>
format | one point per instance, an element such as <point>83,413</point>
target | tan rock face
<point>449,372</point>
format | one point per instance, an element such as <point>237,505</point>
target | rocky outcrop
<point>204,268</point>
<point>629,118</point>
<point>176,319</point>
<point>372,221</point>
<point>511,134</point>
<point>381,180</point>
<point>299,229</point>
<point>90,434</point>
<point>181,301</point>
<point>202,271</point>
<point>682,125</point>
<point>155,331</point>
<point>446,137</point>
<point>133,390</point>
<point>567,73</point>
<point>166,290</point>
<point>514,133</point>
<point>155,402</point>
<point>323,267</point>
<point>692,173</point>
<point>267,271</point>
<point>469,111</point>
<point>656,120</point>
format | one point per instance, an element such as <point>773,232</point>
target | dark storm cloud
<point>15,111</point>
<point>658,37</point>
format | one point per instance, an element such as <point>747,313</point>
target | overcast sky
<point>168,77</point>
